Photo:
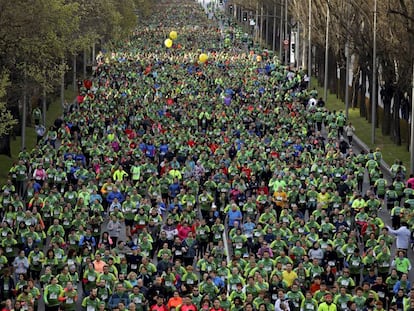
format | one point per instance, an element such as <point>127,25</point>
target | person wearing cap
<point>328,304</point>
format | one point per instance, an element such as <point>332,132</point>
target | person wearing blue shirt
<point>163,150</point>
<point>248,227</point>
<point>234,215</point>
<point>150,150</point>
<point>115,193</point>
<point>95,196</point>
<point>87,239</point>
<point>218,281</point>
<point>403,284</point>
<point>174,189</point>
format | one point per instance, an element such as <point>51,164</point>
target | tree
<point>7,122</point>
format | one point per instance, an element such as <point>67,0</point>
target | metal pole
<point>297,50</point>
<point>347,80</point>
<point>261,25</point>
<point>286,33</point>
<point>412,125</point>
<point>348,62</point>
<point>310,43</point>
<point>281,33</point>
<point>374,76</point>
<point>44,107</point>
<point>256,26</point>
<point>84,63</point>
<point>267,27</point>
<point>62,88</point>
<point>24,112</point>
<point>274,29</point>
<point>75,87</point>
<point>93,53</point>
<point>325,78</point>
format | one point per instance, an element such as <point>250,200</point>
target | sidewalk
<point>362,136</point>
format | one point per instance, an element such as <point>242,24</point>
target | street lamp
<point>309,43</point>
<point>325,79</point>
<point>374,75</point>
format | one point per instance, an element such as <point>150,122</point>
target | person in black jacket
<point>157,289</point>
<point>6,286</point>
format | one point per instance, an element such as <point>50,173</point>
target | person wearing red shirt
<point>216,305</point>
<point>159,306</point>
<point>183,230</point>
<point>263,188</point>
<point>187,305</point>
<point>246,170</point>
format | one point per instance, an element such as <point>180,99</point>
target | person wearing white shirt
<point>281,303</point>
<point>403,235</point>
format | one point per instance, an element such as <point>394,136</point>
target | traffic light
<point>231,9</point>
<point>292,47</point>
<point>244,16</point>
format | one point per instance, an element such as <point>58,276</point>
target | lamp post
<point>286,33</point>
<point>347,59</point>
<point>325,78</point>
<point>310,42</point>
<point>374,75</point>
<point>412,126</point>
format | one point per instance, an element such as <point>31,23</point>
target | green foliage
<point>7,122</point>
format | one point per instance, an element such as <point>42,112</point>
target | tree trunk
<point>386,94</point>
<point>24,114</point>
<point>84,62</point>
<point>75,85</point>
<point>5,145</point>
<point>396,116</point>
<point>362,91</point>
<point>44,107</point>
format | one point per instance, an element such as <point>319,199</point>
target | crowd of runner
<point>175,184</point>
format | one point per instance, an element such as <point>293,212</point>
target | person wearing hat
<point>328,304</point>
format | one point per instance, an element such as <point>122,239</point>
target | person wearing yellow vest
<point>119,174</point>
<point>328,304</point>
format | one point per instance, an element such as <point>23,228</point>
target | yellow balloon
<point>259,59</point>
<point>203,58</point>
<point>173,35</point>
<point>168,43</point>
